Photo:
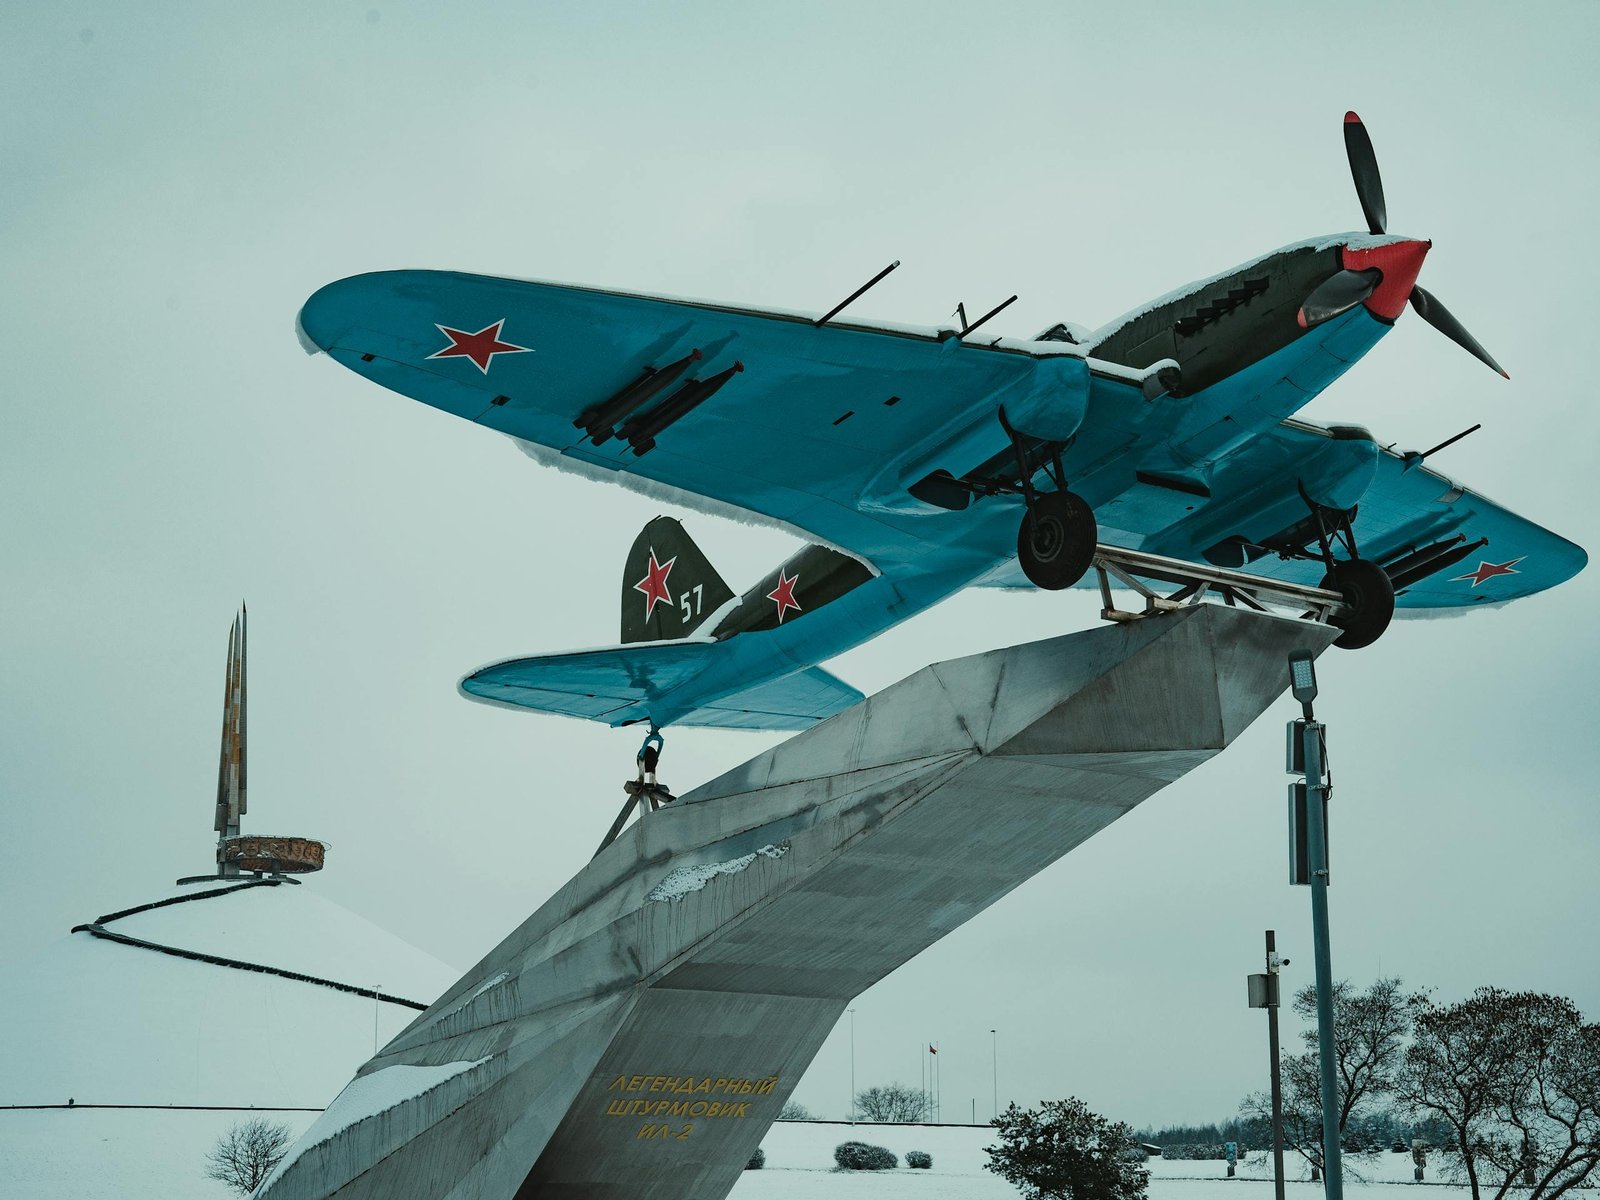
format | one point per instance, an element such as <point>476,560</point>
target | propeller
<point>1427,307</point>
<point>1364,169</point>
<point>1338,294</point>
<point>1347,289</point>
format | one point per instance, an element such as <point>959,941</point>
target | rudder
<point>669,588</point>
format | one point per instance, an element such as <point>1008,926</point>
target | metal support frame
<point>1191,583</point>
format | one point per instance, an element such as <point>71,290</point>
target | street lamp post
<point>994,1070</point>
<point>852,1066</point>
<point>1303,681</point>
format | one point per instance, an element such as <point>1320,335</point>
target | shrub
<point>1063,1149</point>
<point>858,1156</point>
<point>921,1160</point>
<point>757,1160</point>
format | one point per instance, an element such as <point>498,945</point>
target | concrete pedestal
<point>637,1035</point>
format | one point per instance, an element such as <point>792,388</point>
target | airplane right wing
<point>820,429</point>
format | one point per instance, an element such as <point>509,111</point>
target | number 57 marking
<point>690,613</point>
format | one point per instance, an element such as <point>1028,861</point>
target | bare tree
<point>1369,1039</point>
<point>1302,1109</point>
<point>793,1110</point>
<point>247,1153</point>
<point>1515,1076</point>
<point>896,1102</point>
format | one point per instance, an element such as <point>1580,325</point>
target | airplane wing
<point>1407,511</point>
<point>801,425</point>
<point>1444,545</point>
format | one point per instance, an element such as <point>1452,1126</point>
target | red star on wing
<point>480,347</point>
<point>1488,570</point>
<point>654,584</point>
<point>783,594</point>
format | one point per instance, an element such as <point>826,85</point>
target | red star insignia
<point>783,594</point>
<point>654,584</point>
<point>480,347</point>
<point>1488,570</point>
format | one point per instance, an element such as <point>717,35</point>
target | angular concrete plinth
<point>639,1033</point>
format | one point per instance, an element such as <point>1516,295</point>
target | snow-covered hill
<point>208,999</point>
<point>100,1021</point>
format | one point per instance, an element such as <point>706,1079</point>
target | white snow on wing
<point>547,456</point>
<point>367,1096</point>
<point>1446,614</point>
<point>1356,241</point>
<point>683,880</point>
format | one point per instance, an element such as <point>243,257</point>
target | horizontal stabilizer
<point>796,701</point>
<point>688,682</point>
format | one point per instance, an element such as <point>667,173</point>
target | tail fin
<point>668,587</point>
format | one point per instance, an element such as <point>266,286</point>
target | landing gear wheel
<point>1369,595</point>
<point>1056,542</point>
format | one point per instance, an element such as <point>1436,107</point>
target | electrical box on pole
<point>1263,990</point>
<point>1300,805</point>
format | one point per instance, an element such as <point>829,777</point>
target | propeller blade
<point>1364,170</point>
<point>1338,294</point>
<point>1437,315</point>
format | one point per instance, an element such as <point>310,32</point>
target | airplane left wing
<point>818,429</point>
<point>1481,552</point>
<point>1443,545</point>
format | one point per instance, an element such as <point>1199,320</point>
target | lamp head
<point>1303,677</point>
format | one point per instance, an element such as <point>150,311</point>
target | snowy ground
<point>116,1154</point>
<point>800,1166</point>
<point>107,1154</point>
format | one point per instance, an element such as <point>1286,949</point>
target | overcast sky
<point>180,177</point>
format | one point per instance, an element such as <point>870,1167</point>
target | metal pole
<point>852,1066</point>
<point>994,1069</point>
<point>1277,1086</point>
<point>1317,847</point>
<point>375,988</point>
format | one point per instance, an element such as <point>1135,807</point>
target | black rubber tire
<point>1366,589</point>
<point>1056,544</point>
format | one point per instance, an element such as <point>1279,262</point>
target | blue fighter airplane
<point>920,461</point>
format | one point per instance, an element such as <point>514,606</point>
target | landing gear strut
<point>1368,594</point>
<point>1056,542</point>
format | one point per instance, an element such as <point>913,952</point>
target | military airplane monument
<point>925,460</point>
<point>638,1033</point>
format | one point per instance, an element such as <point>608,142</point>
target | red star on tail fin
<point>654,583</point>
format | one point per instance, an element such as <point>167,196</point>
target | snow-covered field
<point>111,1154</point>
<point>800,1166</point>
